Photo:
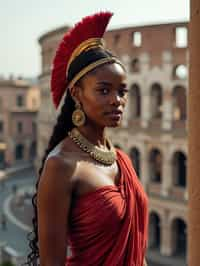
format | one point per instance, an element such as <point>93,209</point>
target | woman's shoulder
<point>54,162</point>
<point>60,164</point>
<point>57,170</point>
<point>63,155</point>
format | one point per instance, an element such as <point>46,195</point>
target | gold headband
<point>85,46</point>
<point>92,66</point>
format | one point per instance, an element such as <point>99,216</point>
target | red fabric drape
<point>109,226</point>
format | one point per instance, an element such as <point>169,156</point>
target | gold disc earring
<point>78,116</point>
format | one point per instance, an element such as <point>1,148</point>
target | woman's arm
<point>53,201</point>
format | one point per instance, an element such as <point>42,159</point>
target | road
<point>15,236</point>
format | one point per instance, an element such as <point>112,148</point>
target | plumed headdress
<point>82,39</point>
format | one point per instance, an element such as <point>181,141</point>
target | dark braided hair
<point>62,127</point>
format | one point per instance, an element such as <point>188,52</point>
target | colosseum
<point>154,129</point>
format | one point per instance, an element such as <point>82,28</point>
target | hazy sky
<point>22,22</point>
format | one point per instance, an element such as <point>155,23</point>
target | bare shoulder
<point>62,165</point>
<point>58,172</point>
<point>58,163</point>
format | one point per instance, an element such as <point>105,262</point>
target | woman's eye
<point>122,92</point>
<point>104,91</point>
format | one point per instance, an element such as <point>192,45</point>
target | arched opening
<point>19,152</point>
<point>155,165</point>
<point>135,102</point>
<point>156,100</point>
<point>135,158</point>
<point>154,231</point>
<point>179,163</point>
<point>179,232</point>
<point>179,103</point>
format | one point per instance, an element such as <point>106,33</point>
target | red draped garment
<point>109,226</point>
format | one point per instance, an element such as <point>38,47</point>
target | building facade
<point>154,129</point>
<point>19,104</point>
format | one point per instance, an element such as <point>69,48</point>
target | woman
<point>88,196</point>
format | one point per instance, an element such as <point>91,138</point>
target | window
<point>180,72</point>
<point>135,102</point>
<point>179,169</point>
<point>32,151</point>
<point>19,152</point>
<point>179,103</point>
<point>155,165</point>
<point>20,100</point>
<point>135,158</point>
<point>1,126</point>
<point>156,100</point>
<point>181,37</point>
<point>34,127</point>
<point>2,159</point>
<point>135,65</point>
<point>137,39</point>
<point>19,127</point>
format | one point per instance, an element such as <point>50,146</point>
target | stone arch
<point>154,230</point>
<point>179,234</point>
<point>177,215</point>
<point>179,169</point>
<point>155,165</point>
<point>135,102</point>
<point>177,147</point>
<point>19,152</point>
<point>156,100</point>
<point>135,158</point>
<point>179,103</point>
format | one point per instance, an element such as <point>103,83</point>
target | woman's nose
<point>115,99</point>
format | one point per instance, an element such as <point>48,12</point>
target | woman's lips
<point>116,115</point>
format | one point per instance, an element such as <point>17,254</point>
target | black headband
<point>85,59</point>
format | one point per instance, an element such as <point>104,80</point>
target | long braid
<point>63,125</point>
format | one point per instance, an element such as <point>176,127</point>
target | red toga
<point>109,226</point>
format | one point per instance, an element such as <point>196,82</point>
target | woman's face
<point>103,95</point>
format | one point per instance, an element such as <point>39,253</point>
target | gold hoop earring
<point>78,116</point>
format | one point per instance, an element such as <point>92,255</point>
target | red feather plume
<point>89,27</point>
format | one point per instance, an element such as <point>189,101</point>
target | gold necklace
<point>107,157</point>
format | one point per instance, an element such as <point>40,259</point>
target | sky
<point>22,22</point>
